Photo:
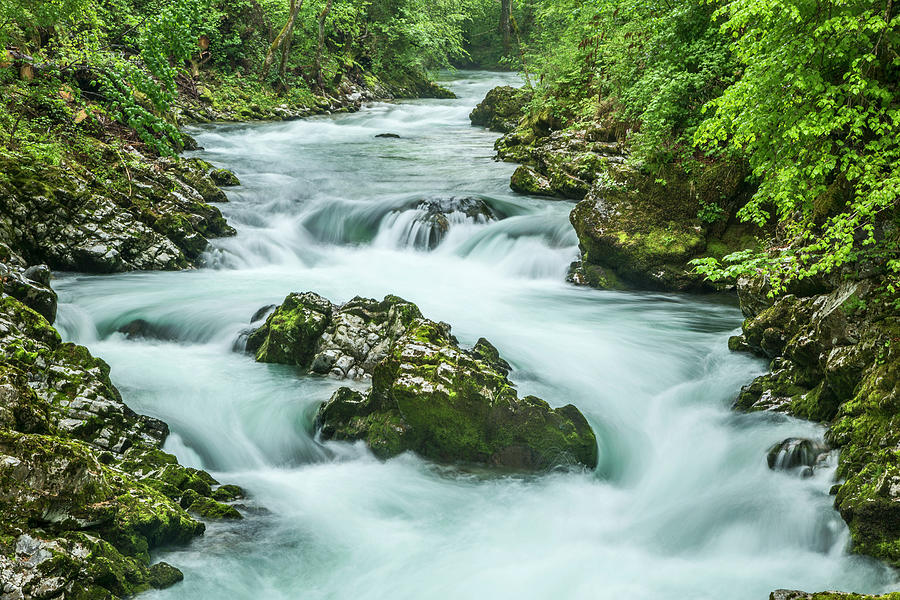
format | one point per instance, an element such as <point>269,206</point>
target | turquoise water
<point>682,505</point>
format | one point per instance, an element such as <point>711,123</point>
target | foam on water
<point>682,505</point>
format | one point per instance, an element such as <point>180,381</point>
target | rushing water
<point>682,505</point>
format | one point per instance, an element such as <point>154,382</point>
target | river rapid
<point>682,505</point>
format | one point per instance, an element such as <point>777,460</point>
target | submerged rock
<point>428,394</point>
<point>797,454</point>
<point>387,135</point>
<point>439,214</point>
<point>143,329</point>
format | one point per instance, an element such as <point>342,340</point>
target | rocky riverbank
<point>428,394</point>
<point>637,227</point>
<point>834,344</point>
<point>87,493</point>
<point>835,355</point>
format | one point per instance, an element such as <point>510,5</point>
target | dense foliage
<point>817,114</point>
<point>127,58</point>
<point>804,90</point>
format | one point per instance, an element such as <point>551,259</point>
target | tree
<point>321,45</point>
<point>283,41</point>
<point>816,111</point>
<point>505,18</point>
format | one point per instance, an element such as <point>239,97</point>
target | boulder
<point>453,405</point>
<point>344,341</point>
<point>437,215</point>
<point>224,177</point>
<point>428,394</point>
<point>501,109</point>
<point>797,454</point>
<point>643,229</point>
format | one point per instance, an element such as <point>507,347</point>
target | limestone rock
<point>343,341</point>
<point>85,490</point>
<point>155,216</point>
<point>456,406</point>
<point>501,109</point>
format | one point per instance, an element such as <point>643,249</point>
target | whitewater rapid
<point>682,505</point>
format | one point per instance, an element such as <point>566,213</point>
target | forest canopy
<point>803,91</point>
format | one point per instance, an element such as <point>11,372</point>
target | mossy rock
<point>501,108</point>
<point>644,227</point>
<point>163,575</point>
<point>291,333</point>
<point>455,406</point>
<point>208,508</point>
<point>227,493</point>
<point>224,177</point>
<point>525,180</point>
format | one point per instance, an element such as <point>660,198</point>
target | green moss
<point>211,509</point>
<point>291,333</point>
<point>162,575</point>
<point>452,405</point>
<point>227,493</point>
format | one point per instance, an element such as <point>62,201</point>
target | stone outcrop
<point>85,490</point>
<point>143,214</point>
<point>560,163</point>
<point>428,394</point>
<point>30,285</point>
<point>501,109</point>
<point>345,341</point>
<point>642,230</point>
<point>835,352</point>
<point>637,228</point>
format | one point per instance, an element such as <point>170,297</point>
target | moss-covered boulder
<point>501,109</point>
<point>643,229</point>
<point>454,405</point>
<point>224,177</point>
<point>344,341</point>
<point>525,180</point>
<point>144,213</point>
<point>560,163</point>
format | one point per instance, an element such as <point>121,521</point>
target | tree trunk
<point>281,39</point>
<point>289,39</point>
<point>505,17</point>
<point>322,15</point>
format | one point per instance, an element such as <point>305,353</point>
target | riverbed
<point>682,504</point>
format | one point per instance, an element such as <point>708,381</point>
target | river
<point>682,505</point>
